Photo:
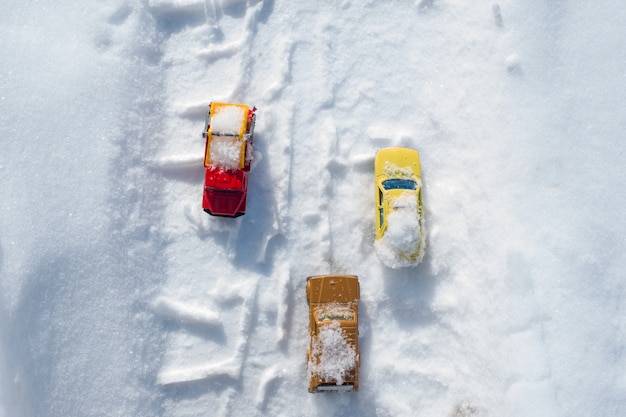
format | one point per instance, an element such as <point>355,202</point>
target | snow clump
<point>228,120</point>
<point>394,171</point>
<point>403,243</point>
<point>225,152</point>
<point>335,356</point>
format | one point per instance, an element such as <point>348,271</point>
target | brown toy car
<point>333,354</point>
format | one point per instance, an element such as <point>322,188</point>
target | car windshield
<point>335,314</point>
<point>400,184</point>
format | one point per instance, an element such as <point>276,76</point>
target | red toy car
<point>229,131</point>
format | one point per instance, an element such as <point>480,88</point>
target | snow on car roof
<point>228,119</point>
<point>402,245</point>
<point>336,356</point>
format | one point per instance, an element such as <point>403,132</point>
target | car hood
<point>390,160</point>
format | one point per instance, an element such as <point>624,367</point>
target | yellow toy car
<point>400,231</point>
<point>333,356</point>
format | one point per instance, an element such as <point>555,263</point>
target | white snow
<point>394,171</point>
<point>228,120</point>
<point>119,296</point>
<point>332,357</point>
<point>403,244</point>
<point>186,313</point>
<point>225,152</point>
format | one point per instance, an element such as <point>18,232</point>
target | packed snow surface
<point>119,296</point>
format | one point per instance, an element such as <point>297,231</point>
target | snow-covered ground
<point>119,296</point>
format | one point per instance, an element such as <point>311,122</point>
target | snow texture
<point>228,120</point>
<point>225,152</point>
<point>394,171</point>
<point>403,243</point>
<point>332,357</point>
<point>119,296</point>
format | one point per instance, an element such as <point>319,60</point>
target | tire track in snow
<point>124,279</point>
<point>209,353</point>
<point>306,88</point>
